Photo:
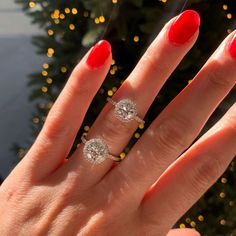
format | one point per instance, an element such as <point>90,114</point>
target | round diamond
<point>95,150</point>
<point>126,110</point>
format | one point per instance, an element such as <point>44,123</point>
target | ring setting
<point>96,150</point>
<point>125,110</point>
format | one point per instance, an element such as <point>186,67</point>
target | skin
<point>161,177</point>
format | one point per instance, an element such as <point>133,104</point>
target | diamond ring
<point>125,110</point>
<point>96,150</point>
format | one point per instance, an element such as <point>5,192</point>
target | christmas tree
<point>71,27</point>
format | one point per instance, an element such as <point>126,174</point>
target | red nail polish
<point>184,27</point>
<point>99,54</point>
<point>232,47</point>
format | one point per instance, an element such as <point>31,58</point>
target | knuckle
<point>206,172</point>
<point>149,60</point>
<point>218,80</point>
<point>171,134</point>
<point>54,127</point>
<point>80,88</point>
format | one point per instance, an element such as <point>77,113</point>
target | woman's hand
<point>150,189</point>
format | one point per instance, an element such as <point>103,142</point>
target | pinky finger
<point>189,177</point>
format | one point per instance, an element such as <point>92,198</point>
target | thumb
<point>183,232</point>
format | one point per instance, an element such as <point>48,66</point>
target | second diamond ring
<point>125,110</point>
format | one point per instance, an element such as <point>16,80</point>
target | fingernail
<point>232,47</point>
<point>99,54</point>
<point>184,27</point>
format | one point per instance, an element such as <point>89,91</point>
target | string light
<point>32,4</point>
<point>182,226</point>
<point>86,128</point>
<point>112,71</point>
<point>50,32</point>
<point>72,27</point>
<point>229,16</point>
<point>225,7</point>
<point>114,1</point>
<point>223,180</point>
<point>55,14</point>
<point>110,93</point>
<point>222,195</point>
<point>137,135</point>
<point>114,89</point>
<point>188,220</point>
<point>200,218</point>
<point>74,11</point>
<point>44,89</point>
<point>193,224</point>
<point>50,52</point>
<point>67,10</point>
<point>49,80</point>
<point>222,222</point>
<point>115,68</point>
<point>136,39</point>
<point>45,66</point>
<point>44,73</point>
<point>96,20</point>
<point>63,69</point>
<point>36,120</point>
<point>62,16</point>
<point>56,21</point>
<point>102,19</point>
<point>141,126</point>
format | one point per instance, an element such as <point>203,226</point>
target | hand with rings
<point>94,192</point>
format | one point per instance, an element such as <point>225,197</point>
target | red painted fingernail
<point>232,47</point>
<point>184,27</point>
<point>99,54</point>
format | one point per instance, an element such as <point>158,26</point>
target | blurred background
<point>18,59</point>
<point>41,42</point>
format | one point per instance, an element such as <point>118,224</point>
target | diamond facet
<point>126,110</point>
<point>95,150</point>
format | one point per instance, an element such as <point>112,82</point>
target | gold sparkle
<point>182,226</point>
<point>229,16</point>
<point>44,89</point>
<point>32,4</point>
<point>225,7</point>
<point>136,38</point>
<point>110,93</point>
<point>67,10</point>
<point>72,27</point>
<point>200,218</point>
<point>74,11</point>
